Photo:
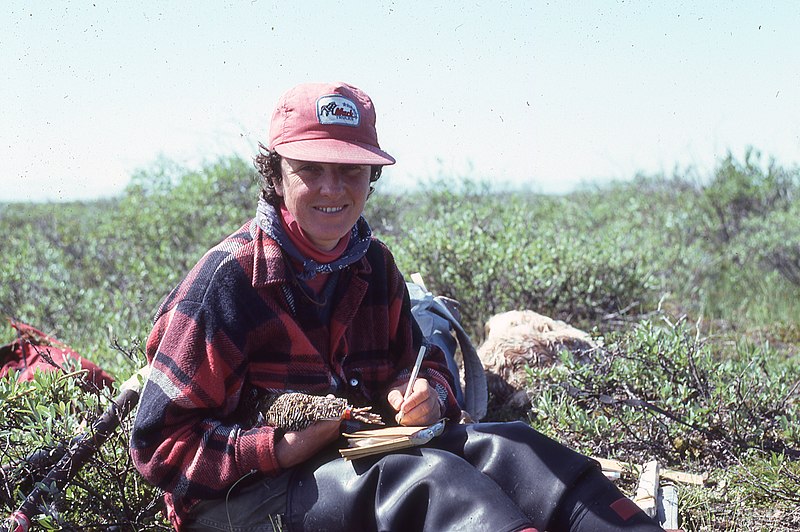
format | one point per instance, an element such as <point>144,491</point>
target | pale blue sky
<point>547,94</point>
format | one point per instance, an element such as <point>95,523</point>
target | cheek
<point>364,193</point>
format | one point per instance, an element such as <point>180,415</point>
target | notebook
<point>376,441</point>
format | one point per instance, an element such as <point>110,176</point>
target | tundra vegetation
<point>690,283</point>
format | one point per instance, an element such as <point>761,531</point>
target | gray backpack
<point>438,318</point>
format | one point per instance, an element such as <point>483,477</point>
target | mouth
<point>330,210</point>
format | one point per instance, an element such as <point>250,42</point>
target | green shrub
<point>604,258</point>
<point>771,243</point>
<point>107,491</point>
<point>661,392</point>
<point>497,252</point>
<point>696,404</point>
<point>742,190</point>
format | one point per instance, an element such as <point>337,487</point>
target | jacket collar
<point>271,265</point>
<point>268,219</point>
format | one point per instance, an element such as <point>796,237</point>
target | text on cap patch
<point>337,110</point>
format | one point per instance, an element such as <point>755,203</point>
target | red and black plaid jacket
<point>233,329</point>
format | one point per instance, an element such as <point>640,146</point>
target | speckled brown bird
<point>296,411</point>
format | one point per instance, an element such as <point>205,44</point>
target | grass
<point>693,288</point>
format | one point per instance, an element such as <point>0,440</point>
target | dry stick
<point>79,452</point>
<point>636,469</point>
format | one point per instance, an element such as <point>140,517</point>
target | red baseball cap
<point>327,123</point>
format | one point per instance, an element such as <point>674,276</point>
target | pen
<point>414,373</point>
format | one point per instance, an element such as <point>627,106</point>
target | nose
<point>331,180</point>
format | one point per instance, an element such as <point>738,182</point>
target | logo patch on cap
<point>337,110</point>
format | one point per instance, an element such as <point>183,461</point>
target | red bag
<point>34,350</point>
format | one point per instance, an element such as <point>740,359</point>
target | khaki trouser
<point>250,507</point>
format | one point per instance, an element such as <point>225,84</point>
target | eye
<point>308,169</point>
<point>352,169</point>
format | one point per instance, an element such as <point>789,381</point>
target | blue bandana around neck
<point>269,220</point>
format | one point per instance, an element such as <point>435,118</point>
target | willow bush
<point>690,285</point>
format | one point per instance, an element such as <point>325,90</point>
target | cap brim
<point>333,151</point>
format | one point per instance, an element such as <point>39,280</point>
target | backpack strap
<point>431,314</point>
<point>476,395</point>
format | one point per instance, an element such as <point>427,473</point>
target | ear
<point>278,183</point>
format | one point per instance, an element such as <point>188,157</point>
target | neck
<point>306,246</point>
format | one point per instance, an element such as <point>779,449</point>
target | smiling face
<point>326,199</point>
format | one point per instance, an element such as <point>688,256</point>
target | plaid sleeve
<point>181,440</point>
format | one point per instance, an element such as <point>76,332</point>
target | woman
<point>302,298</point>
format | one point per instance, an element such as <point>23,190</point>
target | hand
<point>421,408</point>
<point>297,447</point>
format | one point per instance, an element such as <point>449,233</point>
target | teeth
<point>330,209</point>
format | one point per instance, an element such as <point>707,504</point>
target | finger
<point>415,416</point>
<point>395,399</point>
<point>425,408</point>
<point>396,396</point>
<point>413,412</point>
<point>421,386</point>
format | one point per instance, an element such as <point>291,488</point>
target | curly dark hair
<point>268,164</point>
